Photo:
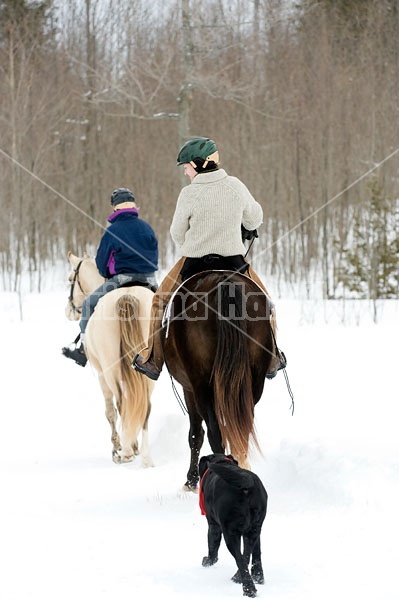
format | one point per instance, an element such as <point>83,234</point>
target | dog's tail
<point>238,478</point>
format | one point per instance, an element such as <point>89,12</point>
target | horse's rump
<point>219,345</point>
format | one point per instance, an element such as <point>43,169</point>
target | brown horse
<point>218,344</point>
<point>116,331</point>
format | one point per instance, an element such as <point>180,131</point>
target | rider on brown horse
<point>206,227</point>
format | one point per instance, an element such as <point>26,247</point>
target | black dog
<point>234,501</point>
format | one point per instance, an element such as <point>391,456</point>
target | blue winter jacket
<point>128,245</point>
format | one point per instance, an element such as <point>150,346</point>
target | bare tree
<point>302,102</point>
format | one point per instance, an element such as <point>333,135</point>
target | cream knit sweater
<point>209,213</point>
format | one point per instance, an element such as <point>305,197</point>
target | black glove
<point>246,234</point>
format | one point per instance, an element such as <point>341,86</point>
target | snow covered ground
<point>75,525</point>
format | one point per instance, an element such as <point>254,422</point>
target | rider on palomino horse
<point>128,253</point>
<point>207,228</point>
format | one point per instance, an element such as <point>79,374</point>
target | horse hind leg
<point>129,449</point>
<point>213,432</point>
<point>112,415</point>
<point>195,440</point>
<point>129,440</point>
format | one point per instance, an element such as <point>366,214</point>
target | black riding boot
<point>77,354</point>
<point>148,368</point>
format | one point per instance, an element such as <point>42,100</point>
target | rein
<point>249,247</point>
<point>177,396</point>
<point>75,281</point>
<point>287,382</point>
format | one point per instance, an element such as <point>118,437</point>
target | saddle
<point>134,282</point>
<point>213,262</point>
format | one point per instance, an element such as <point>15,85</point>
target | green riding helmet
<point>198,152</point>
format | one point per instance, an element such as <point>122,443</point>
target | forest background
<point>301,98</point>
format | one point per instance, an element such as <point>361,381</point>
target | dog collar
<point>201,494</point>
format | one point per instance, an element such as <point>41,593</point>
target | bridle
<point>75,280</point>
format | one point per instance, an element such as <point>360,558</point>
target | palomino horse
<point>218,344</point>
<point>116,331</point>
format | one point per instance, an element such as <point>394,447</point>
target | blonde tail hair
<point>135,398</point>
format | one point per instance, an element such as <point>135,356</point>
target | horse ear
<point>85,255</point>
<point>73,260</point>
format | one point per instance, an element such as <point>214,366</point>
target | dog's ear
<point>231,457</point>
<point>203,465</point>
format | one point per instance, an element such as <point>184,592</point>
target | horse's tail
<point>135,406</point>
<point>232,380</point>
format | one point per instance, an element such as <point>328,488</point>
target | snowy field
<point>76,526</point>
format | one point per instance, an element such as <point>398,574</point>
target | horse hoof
<point>116,458</point>
<point>190,488</point>
<point>122,458</point>
<point>127,459</point>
